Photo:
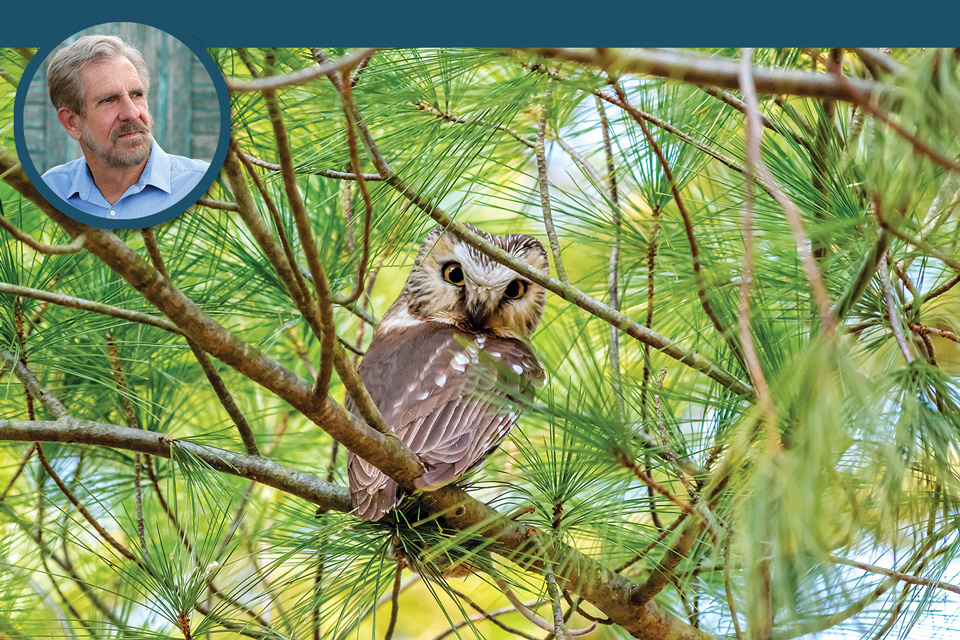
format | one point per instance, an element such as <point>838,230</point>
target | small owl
<point>449,360</point>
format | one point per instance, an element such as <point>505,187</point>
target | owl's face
<point>454,283</point>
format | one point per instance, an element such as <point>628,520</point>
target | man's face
<point>117,125</point>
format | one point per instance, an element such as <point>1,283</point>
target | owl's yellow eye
<point>453,274</point>
<point>515,290</point>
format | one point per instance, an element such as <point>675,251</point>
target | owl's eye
<point>453,274</point>
<point>515,290</point>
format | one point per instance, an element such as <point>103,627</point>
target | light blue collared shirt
<point>165,180</point>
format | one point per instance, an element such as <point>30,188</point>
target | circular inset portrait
<point>122,125</point>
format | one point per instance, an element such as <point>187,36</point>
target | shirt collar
<point>157,171</point>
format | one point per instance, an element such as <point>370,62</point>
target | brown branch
<point>713,71</point>
<point>926,331</point>
<point>300,76</point>
<point>33,386</point>
<point>263,471</point>
<point>328,339</point>
<point>878,58</point>
<point>870,104</point>
<point>358,72</point>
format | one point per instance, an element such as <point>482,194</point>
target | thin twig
<point>613,270</point>
<point>653,484</point>
<point>559,628</point>
<point>16,474</point>
<point>753,135</point>
<point>728,589</point>
<point>820,296</point>
<point>741,106</point>
<point>209,370</point>
<point>217,204</point>
<point>545,190</point>
<point>926,331</point>
<point>394,601</point>
<point>919,244</point>
<point>450,117</point>
<point>669,128</point>
<point>133,422</point>
<point>39,247</point>
<point>300,76</point>
<point>22,345</point>
<point>326,173</point>
<point>903,577</point>
<point>109,539</point>
<point>660,538</point>
<point>367,203</point>
<point>304,303</point>
<point>90,305</point>
<point>687,225</point>
<point>296,284</point>
<point>492,616</point>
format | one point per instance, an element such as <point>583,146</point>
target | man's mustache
<point>128,127</point>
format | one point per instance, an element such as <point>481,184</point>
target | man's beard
<point>114,153</point>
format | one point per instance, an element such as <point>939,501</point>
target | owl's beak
<point>477,315</point>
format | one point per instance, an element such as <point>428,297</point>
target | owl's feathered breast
<point>449,395</point>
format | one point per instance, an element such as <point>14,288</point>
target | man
<point>99,86</point>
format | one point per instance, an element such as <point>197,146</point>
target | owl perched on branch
<point>449,361</point>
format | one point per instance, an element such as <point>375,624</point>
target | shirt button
<point>112,212</point>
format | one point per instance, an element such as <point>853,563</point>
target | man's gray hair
<point>63,75</point>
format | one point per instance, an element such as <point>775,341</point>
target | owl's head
<point>453,282</point>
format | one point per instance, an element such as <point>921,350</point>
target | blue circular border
<point>216,164</point>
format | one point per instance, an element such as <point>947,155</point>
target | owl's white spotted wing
<point>449,402</point>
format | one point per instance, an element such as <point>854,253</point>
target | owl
<point>449,361</point>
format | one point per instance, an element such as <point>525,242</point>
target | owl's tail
<point>372,493</point>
